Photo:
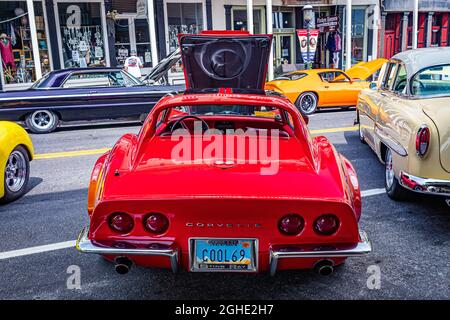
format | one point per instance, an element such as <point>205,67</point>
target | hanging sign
<point>308,56</point>
<point>327,24</point>
<point>82,46</point>
<point>141,7</point>
<point>123,53</point>
<point>98,52</point>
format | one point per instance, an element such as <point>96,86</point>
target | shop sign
<point>141,7</point>
<point>308,53</point>
<point>327,24</point>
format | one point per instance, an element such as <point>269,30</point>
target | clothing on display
<point>83,46</point>
<point>7,51</point>
<point>334,46</point>
<point>334,42</point>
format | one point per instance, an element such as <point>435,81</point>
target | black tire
<point>16,175</point>
<point>42,121</point>
<point>307,102</point>
<point>393,188</point>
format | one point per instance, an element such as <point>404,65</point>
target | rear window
<point>291,76</point>
<point>432,81</point>
<point>237,110</point>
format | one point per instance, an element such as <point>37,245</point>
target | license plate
<point>213,255</point>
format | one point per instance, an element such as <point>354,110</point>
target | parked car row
<point>405,119</point>
<point>87,94</point>
<point>216,213</point>
<point>310,90</point>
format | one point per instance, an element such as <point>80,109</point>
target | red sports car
<point>225,177</point>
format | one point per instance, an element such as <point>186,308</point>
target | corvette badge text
<point>257,147</point>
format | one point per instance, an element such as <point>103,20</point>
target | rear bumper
<point>425,185</point>
<point>85,245</point>
<point>279,252</point>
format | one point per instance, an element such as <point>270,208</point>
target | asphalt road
<point>411,239</point>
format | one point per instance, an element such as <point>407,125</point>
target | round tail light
<point>422,140</point>
<point>326,224</point>
<point>291,224</point>
<point>121,222</point>
<point>156,223</point>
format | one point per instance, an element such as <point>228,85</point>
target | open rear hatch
<point>364,70</point>
<point>233,60</point>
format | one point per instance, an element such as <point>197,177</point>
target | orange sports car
<point>321,88</point>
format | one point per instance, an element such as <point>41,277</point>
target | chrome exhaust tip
<point>122,265</point>
<point>324,267</point>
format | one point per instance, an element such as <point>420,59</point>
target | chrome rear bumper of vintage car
<point>280,252</point>
<point>425,185</point>
<point>85,245</point>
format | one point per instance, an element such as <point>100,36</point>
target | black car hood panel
<point>225,60</point>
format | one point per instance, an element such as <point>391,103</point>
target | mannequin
<point>334,46</point>
<point>7,53</point>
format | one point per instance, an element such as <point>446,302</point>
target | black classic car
<point>87,94</point>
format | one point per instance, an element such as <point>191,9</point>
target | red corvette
<point>225,177</point>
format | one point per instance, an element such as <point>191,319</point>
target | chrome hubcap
<point>308,102</point>
<point>389,169</point>
<point>16,171</point>
<point>42,119</point>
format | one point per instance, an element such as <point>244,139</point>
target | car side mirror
<point>373,85</point>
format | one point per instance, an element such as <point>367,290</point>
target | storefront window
<point>143,41</point>
<point>240,20</point>
<point>436,29</point>
<point>81,34</point>
<point>16,45</point>
<point>358,29</point>
<point>283,20</point>
<point>122,40</point>
<point>132,33</point>
<point>183,18</point>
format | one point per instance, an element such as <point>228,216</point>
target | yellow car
<point>405,119</point>
<point>16,152</point>
<point>321,88</point>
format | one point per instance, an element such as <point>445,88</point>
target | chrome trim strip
<point>86,95</point>
<point>363,247</point>
<point>191,244</point>
<point>85,245</point>
<point>429,185</point>
<point>390,142</point>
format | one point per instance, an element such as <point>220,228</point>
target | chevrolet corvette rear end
<point>224,178</point>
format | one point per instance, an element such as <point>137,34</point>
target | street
<point>410,239</point>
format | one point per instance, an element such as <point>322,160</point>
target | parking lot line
<point>38,249</point>
<point>77,153</point>
<point>331,130</point>
<point>65,154</point>
<point>372,192</point>
<point>71,244</point>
